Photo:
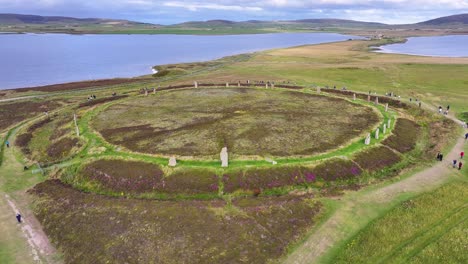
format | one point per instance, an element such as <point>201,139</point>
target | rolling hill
<point>448,20</point>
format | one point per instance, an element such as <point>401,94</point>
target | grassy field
<point>137,209</point>
<point>430,228</point>
<point>434,80</point>
<point>196,122</point>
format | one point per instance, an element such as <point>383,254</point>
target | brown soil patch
<point>13,113</point>
<point>62,148</point>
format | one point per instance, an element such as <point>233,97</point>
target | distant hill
<point>17,19</point>
<point>332,21</point>
<point>457,24</point>
<point>260,23</point>
<point>448,20</point>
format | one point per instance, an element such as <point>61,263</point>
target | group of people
<point>446,111</point>
<point>460,164</point>
<point>91,97</point>
<point>455,163</point>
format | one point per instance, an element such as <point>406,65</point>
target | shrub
<point>125,176</point>
<point>405,136</point>
<point>376,158</point>
<point>333,170</point>
<point>191,181</point>
<point>262,178</point>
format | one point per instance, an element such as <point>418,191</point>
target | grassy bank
<point>425,229</point>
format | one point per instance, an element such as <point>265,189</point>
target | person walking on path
<point>18,217</point>
<point>462,154</point>
<point>8,143</point>
<point>441,157</point>
<point>466,136</point>
<point>460,165</point>
<point>438,155</point>
<point>454,163</point>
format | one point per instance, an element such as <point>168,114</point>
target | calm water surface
<point>445,46</point>
<point>40,59</point>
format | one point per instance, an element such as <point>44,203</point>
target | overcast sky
<point>175,11</point>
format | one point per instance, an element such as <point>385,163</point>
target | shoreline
<point>152,68</point>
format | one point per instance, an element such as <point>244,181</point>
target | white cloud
<point>197,6</point>
<point>171,11</point>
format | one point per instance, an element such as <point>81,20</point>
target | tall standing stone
<point>266,85</point>
<point>227,84</point>
<point>367,140</point>
<point>224,157</point>
<point>384,130</point>
<point>172,161</point>
<point>238,84</point>
<point>376,100</point>
<point>154,90</point>
<point>368,98</point>
<point>389,123</point>
<point>76,125</point>
<point>195,84</point>
<point>386,107</point>
<point>377,133</point>
<point>354,97</point>
<point>318,89</point>
<point>146,92</point>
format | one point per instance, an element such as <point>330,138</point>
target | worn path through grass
<point>25,242</point>
<point>357,209</point>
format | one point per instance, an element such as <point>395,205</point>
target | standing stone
<point>146,92</point>
<point>238,84</point>
<point>368,98</point>
<point>354,97</point>
<point>376,100</point>
<point>154,90</point>
<point>224,157</point>
<point>266,85</point>
<point>377,133</point>
<point>367,141</point>
<point>384,130</point>
<point>195,84</point>
<point>272,85</point>
<point>318,89</point>
<point>386,107</point>
<point>227,84</point>
<point>389,123</point>
<point>76,126</point>
<point>172,161</point>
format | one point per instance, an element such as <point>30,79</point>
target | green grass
<point>438,81</point>
<point>412,231</point>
